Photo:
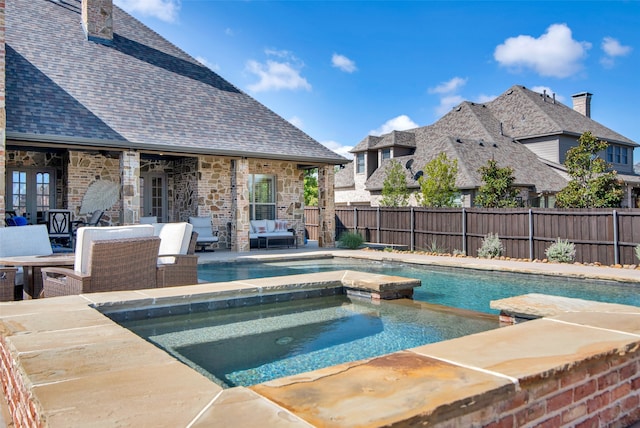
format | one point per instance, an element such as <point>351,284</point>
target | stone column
<point>130,182</point>
<point>240,211</point>
<point>326,203</point>
<point>3,116</point>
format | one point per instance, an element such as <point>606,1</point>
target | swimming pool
<point>250,345</point>
<point>459,288</point>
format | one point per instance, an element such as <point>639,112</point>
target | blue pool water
<point>459,288</point>
<point>249,345</point>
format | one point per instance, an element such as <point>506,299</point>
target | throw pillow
<point>261,229</point>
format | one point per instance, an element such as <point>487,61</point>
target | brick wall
<point>603,392</point>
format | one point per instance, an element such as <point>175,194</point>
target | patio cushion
<point>88,234</point>
<point>174,239</point>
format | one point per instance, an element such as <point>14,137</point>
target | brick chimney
<point>582,103</point>
<point>97,20</point>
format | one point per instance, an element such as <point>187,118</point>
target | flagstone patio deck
<point>73,366</point>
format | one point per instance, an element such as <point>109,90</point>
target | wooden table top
<point>65,259</point>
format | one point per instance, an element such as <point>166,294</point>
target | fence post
<point>530,234</point>
<point>355,219</point>
<point>464,231</point>
<point>616,246</point>
<point>413,226</point>
<point>378,225</point>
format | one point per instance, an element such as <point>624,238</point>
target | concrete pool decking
<point>79,368</point>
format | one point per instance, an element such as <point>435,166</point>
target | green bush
<point>491,247</point>
<point>351,240</point>
<point>561,251</point>
<point>638,251</point>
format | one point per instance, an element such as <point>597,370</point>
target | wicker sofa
<point>271,232</point>
<point>110,265</point>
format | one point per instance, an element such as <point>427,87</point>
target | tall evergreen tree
<point>438,182</point>
<point>394,187</point>
<point>311,187</point>
<point>593,184</point>
<point>497,190</point>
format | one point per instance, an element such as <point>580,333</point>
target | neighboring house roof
<point>528,114</point>
<point>475,133</point>
<point>392,139</point>
<point>141,92</point>
<point>473,145</point>
<point>344,176</point>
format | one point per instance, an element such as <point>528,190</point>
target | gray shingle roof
<point>526,113</point>
<point>474,133</point>
<point>141,92</point>
<point>473,145</point>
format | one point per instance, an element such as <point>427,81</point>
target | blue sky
<point>342,70</point>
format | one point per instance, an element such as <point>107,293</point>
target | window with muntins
<point>386,154</point>
<point>360,163</point>
<point>262,197</point>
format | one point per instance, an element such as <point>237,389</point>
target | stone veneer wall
<point>213,193</point>
<point>3,113</point>
<point>85,168</point>
<point>182,192</point>
<point>326,204</point>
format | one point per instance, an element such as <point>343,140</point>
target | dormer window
<point>360,163</point>
<point>386,154</point>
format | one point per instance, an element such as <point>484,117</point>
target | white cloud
<point>448,87</point>
<point>550,92</point>
<point>343,63</point>
<point>399,123</point>
<point>612,49</point>
<point>276,75</point>
<point>338,148</point>
<point>296,121</point>
<point>165,10</point>
<point>210,66</point>
<point>555,53</point>
<point>447,103</point>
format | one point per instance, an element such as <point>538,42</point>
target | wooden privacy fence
<point>608,236</point>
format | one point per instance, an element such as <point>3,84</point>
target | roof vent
<point>458,140</point>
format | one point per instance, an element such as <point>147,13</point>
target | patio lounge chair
<point>207,236</point>
<point>107,259</point>
<point>175,265</point>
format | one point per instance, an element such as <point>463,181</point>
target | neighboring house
<point>522,129</point>
<point>93,94</point>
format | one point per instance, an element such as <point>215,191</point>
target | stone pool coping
<point>73,366</point>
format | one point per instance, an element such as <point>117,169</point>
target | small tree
<point>593,184</point>
<point>394,187</point>
<point>311,187</point>
<point>497,190</point>
<point>438,182</point>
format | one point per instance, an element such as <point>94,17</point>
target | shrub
<point>491,247</point>
<point>638,251</point>
<point>561,251</point>
<point>435,248</point>
<point>351,240</point>
<point>457,252</point>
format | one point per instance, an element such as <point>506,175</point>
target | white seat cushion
<point>88,234</point>
<point>174,239</point>
<point>25,241</point>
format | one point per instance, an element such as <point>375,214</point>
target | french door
<point>30,192</point>
<point>154,195</point>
